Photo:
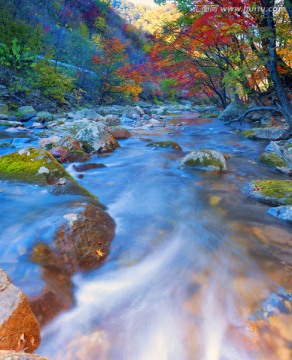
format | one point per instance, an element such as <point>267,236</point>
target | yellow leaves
<point>100,253</point>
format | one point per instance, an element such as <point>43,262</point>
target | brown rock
<point>19,329</point>
<point>58,152</point>
<point>119,133</point>
<point>83,242</point>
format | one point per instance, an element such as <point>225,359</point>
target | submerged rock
<point>274,192</point>
<point>165,144</point>
<point>84,239</point>
<point>281,212</point>
<point>34,166</point>
<point>19,329</point>
<point>85,167</point>
<point>206,160</point>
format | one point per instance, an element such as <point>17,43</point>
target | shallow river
<point>197,270</point>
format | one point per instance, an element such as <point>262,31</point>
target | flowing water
<point>197,270</point>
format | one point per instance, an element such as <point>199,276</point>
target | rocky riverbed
<point>116,205</point>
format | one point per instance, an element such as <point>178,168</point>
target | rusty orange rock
<point>19,328</point>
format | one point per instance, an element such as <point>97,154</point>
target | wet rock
<point>86,167</point>
<point>77,156</point>
<point>165,144</point>
<point>84,240</point>
<point>13,355</point>
<point>39,167</point>
<point>19,142</point>
<point>19,329</point>
<point>274,192</point>
<point>268,133</point>
<point>4,117</point>
<point>279,155</point>
<point>206,160</point>
<point>281,212</point>
<point>233,110</point>
<point>119,133</point>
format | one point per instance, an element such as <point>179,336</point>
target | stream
<point>197,269</point>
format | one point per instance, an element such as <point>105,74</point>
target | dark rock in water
<point>85,167</point>
<point>34,166</point>
<point>13,355</point>
<point>84,241</point>
<point>165,144</point>
<point>19,329</point>
<point>78,156</point>
<point>281,212</point>
<point>273,192</point>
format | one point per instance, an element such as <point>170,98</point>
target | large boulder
<point>94,136</point>
<point>279,156</point>
<point>206,160</point>
<point>13,355</point>
<point>25,112</point>
<point>83,241</point>
<point>133,112</point>
<point>233,110</point>
<point>273,192</point>
<point>39,167</point>
<point>267,133</point>
<point>19,329</point>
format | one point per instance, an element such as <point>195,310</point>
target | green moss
<point>39,167</point>
<point>207,160</point>
<point>165,144</point>
<point>248,133</point>
<point>289,146</point>
<point>272,160</point>
<point>280,190</point>
<point>78,155</point>
<point>5,123</point>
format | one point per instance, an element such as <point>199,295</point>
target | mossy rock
<point>24,111</point>
<point>248,133</point>
<point>34,166</point>
<point>274,192</point>
<point>272,160</point>
<point>6,145</point>
<point>165,144</point>
<point>206,160</point>
<point>78,156</point>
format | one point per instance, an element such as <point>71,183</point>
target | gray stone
<point>233,110</point>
